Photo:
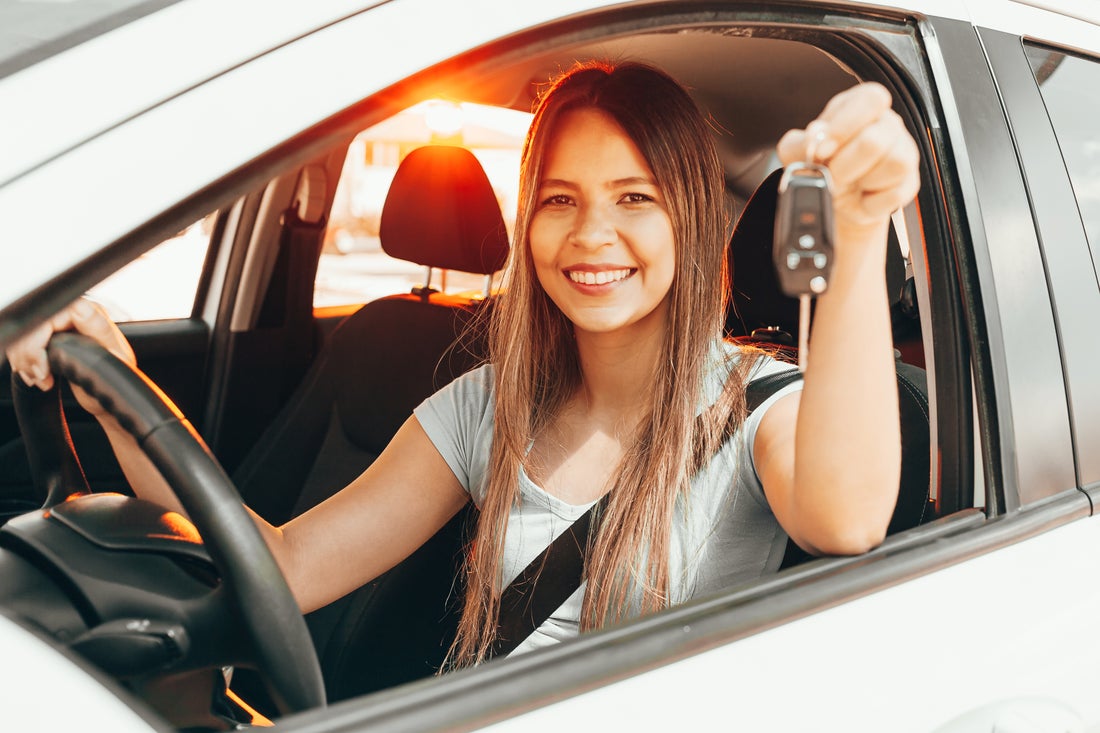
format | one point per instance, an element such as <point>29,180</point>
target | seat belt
<point>556,573</point>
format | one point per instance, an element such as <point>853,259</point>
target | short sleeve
<point>749,478</point>
<point>459,421</point>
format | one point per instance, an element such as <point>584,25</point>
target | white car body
<point>976,643</point>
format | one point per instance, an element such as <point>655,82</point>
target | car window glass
<point>1070,87</point>
<point>353,267</point>
<point>162,283</point>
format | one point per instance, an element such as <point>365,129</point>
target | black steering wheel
<point>281,640</point>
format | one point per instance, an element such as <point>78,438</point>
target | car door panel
<point>171,352</point>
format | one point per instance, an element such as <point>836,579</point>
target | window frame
<point>1069,258</point>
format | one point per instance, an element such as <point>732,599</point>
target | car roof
<point>150,94</point>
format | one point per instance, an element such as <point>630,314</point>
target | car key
<point>803,247</point>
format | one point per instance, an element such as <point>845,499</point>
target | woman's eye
<point>556,200</point>
<point>636,198</point>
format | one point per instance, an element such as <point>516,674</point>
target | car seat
<point>376,366</point>
<point>759,313</point>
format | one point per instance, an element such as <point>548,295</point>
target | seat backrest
<point>757,302</point>
<point>760,313</point>
<point>393,352</point>
<point>376,366</point>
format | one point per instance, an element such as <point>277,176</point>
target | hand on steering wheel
<point>99,364</point>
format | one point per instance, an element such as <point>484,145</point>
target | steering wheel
<point>284,649</point>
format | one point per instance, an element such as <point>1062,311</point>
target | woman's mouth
<point>601,277</point>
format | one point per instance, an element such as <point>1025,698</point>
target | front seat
<point>760,314</point>
<point>377,365</point>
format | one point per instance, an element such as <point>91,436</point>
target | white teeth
<point>598,278</point>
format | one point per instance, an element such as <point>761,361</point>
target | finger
<point>792,147</point>
<point>27,357</point>
<point>843,117</point>
<point>882,146</point>
<point>849,112</point>
<point>874,204</point>
<point>91,319</point>
<point>899,165</point>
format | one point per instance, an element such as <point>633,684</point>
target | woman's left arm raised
<point>830,457</point>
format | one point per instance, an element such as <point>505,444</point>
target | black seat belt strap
<point>556,573</point>
<point>545,584</point>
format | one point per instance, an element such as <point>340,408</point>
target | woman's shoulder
<point>476,385</point>
<point>726,355</point>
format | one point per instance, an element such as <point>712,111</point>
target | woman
<point>608,377</point>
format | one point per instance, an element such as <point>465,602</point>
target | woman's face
<point>601,238</point>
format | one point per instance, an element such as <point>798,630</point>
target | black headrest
<point>441,211</point>
<point>757,300</point>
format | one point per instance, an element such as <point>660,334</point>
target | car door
<point>965,624</point>
<point>941,621</point>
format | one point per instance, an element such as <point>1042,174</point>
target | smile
<point>598,278</point>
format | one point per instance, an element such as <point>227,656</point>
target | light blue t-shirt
<point>723,531</point>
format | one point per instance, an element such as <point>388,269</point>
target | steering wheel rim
<point>283,645</point>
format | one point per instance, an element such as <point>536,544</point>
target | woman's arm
<point>830,458</point>
<point>393,507</point>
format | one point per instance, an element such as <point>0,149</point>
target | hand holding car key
<point>802,250</point>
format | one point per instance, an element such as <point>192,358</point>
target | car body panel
<point>50,691</point>
<point>965,616</point>
<point>912,676</point>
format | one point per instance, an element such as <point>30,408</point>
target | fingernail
<point>26,380</point>
<point>82,309</point>
<point>39,372</point>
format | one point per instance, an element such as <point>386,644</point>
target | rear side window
<point>162,283</point>
<point>1070,87</point>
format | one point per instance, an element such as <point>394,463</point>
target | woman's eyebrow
<point>617,183</point>
<point>631,181</point>
<point>556,183</point>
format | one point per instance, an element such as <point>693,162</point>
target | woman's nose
<point>593,228</point>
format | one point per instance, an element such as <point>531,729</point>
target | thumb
<point>90,319</point>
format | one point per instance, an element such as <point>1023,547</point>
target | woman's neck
<point>617,369</point>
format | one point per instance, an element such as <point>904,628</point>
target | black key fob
<point>804,234</point>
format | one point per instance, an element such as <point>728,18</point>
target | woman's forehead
<point>589,143</point>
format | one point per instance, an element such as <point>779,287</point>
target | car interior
<point>296,401</point>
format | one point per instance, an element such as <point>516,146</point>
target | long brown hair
<point>537,368</point>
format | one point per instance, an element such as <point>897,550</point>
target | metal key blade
<point>803,332</point>
<point>803,248</point>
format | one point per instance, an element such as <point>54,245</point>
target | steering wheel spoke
<point>55,467</point>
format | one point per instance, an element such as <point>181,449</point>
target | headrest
<point>757,300</point>
<point>442,212</point>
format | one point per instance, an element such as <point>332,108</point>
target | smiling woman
<point>596,396</point>
<point>596,189</point>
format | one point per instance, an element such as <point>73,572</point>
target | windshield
<point>32,30</point>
